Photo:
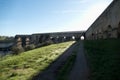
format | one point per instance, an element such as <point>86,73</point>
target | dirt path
<point>80,69</point>
<point>78,72</point>
<point>50,73</point>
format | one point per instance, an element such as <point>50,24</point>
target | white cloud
<point>89,16</point>
<point>67,11</point>
<point>93,13</point>
<point>78,1</point>
<point>86,17</point>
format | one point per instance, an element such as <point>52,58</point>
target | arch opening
<point>82,37</point>
<point>73,37</point>
<point>51,37</point>
<point>57,37</point>
<point>64,37</point>
<point>108,31</point>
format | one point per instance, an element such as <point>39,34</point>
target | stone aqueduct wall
<point>23,40</point>
<point>107,24</point>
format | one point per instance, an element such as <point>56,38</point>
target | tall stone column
<point>19,42</point>
<point>27,41</point>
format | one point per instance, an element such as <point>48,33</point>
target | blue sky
<point>40,16</point>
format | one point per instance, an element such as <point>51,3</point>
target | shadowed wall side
<point>106,25</point>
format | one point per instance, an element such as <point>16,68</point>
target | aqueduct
<point>56,37</point>
<point>107,25</point>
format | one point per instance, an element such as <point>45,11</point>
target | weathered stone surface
<point>107,24</point>
<point>43,37</point>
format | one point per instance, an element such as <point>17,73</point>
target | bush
<point>44,44</point>
<point>29,47</point>
<point>17,49</point>
<point>49,42</point>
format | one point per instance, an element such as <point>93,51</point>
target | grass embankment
<point>27,64</point>
<point>104,59</point>
<point>64,72</point>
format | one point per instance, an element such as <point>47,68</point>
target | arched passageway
<point>64,38</point>
<point>82,37</point>
<point>73,37</point>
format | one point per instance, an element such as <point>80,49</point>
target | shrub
<point>49,42</point>
<point>44,44</point>
<point>17,49</point>
<point>29,47</point>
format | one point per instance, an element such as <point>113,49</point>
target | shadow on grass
<point>51,72</point>
<point>104,59</point>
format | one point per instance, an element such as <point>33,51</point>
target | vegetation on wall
<point>17,50</point>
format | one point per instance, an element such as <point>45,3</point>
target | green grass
<point>28,64</point>
<point>104,59</point>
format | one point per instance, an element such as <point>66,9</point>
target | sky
<point>42,16</point>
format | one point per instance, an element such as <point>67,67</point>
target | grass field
<point>104,59</point>
<point>28,64</point>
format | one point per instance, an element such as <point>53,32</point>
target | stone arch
<point>107,32</point>
<point>40,38</point>
<point>83,34</point>
<point>109,27</point>
<point>68,38</point>
<point>51,37</point>
<point>56,39</point>
<point>64,37</point>
<point>118,30</point>
<point>82,37</point>
<point>60,39</point>
<point>73,37</point>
